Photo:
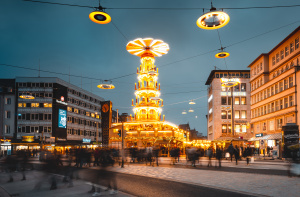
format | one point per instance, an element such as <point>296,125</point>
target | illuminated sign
<point>62,98</point>
<point>27,138</point>
<point>234,93</point>
<point>62,118</point>
<point>259,135</point>
<point>61,102</point>
<point>84,140</point>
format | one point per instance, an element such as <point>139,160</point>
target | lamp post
<point>231,82</point>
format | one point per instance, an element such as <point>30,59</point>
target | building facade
<point>219,105</point>
<point>7,118</point>
<point>60,113</point>
<point>274,99</point>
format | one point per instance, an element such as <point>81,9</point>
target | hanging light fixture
<point>26,96</point>
<point>213,19</point>
<point>222,54</point>
<point>191,110</point>
<point>192,102</point>
<point>99,16</point>
<point>106,85</point>
<point>184,112</point>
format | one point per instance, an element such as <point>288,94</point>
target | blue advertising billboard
<point>62,118</point>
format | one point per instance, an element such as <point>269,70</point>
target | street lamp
<point>106,84</point>
<point>213,19</point>
<point>99,16</point>
<point>230,83</point>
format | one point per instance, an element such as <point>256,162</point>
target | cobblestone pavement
<point>268,185</point>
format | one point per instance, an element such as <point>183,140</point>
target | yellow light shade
<point>25,96</point>
<point>213,20</point>
<point>184,112</point>
<point>222,54</point>
<point>150,47</point>
<point>100,17</point>
<point>191,110</point>
<point>106,86</point>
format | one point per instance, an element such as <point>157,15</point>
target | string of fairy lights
<point>211,20</point>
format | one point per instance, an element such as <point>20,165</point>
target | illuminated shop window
<point>47,104</point>
<point>35,104</point>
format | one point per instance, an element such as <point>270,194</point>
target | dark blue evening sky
<point>63,38</point>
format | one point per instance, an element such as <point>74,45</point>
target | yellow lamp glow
<point>213,20</point>
<point>222,54</point>
<point>100,17</point>
<point>106,85</point>
<point>192,102</point>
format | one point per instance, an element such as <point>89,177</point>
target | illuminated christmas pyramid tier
<point>147,127</point>
<point>147,102</point>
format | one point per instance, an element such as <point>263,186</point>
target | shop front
<point>28,143</point>
<point>5,147</point>
<point>267,145</point>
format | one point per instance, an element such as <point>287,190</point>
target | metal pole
<point>122,166</point>
<point>232,112</point>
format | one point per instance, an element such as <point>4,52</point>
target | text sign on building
<point>62,118</point>
<point>106,114</point>
<point>259,135</point>
<point>85,140</point>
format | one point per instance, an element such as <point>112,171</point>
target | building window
<point>237,100</point>
<point>265,109</point>
<point>243,87</point>
<point>224,100</point>
<point>291,98</point>
<point>237,114</point>
<point>286,84</point>
<point>237,88</point>
<point>277,57</point>
<point>47,104</point>
<point>243,114</point>
<point>276,88</point>
<point>7,114</point>
<point>280,86</point>
<point>223,114</point>
<point>286,103</point>
<point>272,107</point>
<point>269,108</point>
<point>290,81</point>
<point>281,54</point>
<point>272,90</point>
<point>244,128</point>
<point>260,66</point>
<point>243,100</point>
<point>286,51</point>
<point>279,123</point>
<point>229,128</point>
<point>268,92</point>
<point>7,101</point>
<point>258,111</point>
<point>229,100</point>
<point>237,128</point>
<point>229,114</point>
<point>276,105</point>
<point>273,61</point>
<point>224,128</point>
<point>296,43</point>
<point>7,129</point>
<point>87,113</point>
<point>281,103</point>
<point>35,104</point>
<point>292,47</point>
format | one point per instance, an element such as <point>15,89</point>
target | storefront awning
<point>275,136</point>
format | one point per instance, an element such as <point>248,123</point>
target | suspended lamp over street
<point>99,16</point>
<point>191,110</point>
<point>229,82</point>
<point>184,112</point>
<point>192,102</point>
<point>222,54</point>
<point>106,85</point>
<point>213,19</point>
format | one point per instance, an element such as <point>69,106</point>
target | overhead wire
<point>165,8</point>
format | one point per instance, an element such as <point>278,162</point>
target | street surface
<point>261,178</point>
